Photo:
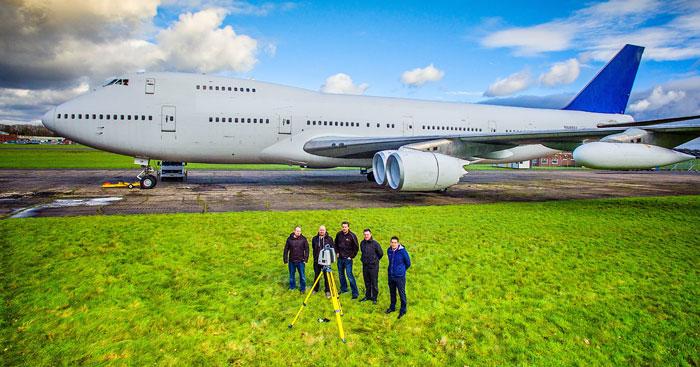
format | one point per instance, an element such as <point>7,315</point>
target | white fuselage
<point>192,118</point>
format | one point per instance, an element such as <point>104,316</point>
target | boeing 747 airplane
<point>408,144</point>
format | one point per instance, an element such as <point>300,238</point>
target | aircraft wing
<point>473,145</point>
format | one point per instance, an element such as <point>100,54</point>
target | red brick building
<point>556,160</point>
<point>7,137</point>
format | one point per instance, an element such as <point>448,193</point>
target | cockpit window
<point>118,82</point>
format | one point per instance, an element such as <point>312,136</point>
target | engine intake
<point>379,166</point>
<point>412,170</point>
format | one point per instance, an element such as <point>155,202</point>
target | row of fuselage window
<point>239,119</point>
<point>337,123</point>
<point>450,128</point>
<point>255,121</point>
<point>388,126</point>
<point>223,88</point>
<point>95,116</point>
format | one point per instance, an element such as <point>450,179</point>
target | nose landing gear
<point>147,177</point>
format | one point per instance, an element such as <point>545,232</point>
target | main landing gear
<point>147,177</point>
<point>369,173</point>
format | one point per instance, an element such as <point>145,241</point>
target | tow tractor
<point>130,185</point>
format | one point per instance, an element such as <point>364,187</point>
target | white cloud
<point>670,30</point>
<point>196,43</point>
<point>532,40</point>
<point>28,105</point>
<point>54,46</point>
<point>656,100</point>
<point>418,76</point>
<point>512,84</point>
<point>616,8</point>
<point>563,73</point>
<point>671,99</point>
<point>342,84</point>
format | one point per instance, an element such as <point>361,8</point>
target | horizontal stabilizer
<point>649,122</point>
<point>610,90</point>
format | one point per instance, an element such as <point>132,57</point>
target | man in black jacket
<point>317,244</point>
<point>371,254</point>
<point>296,252</point>
<point>346,247</point>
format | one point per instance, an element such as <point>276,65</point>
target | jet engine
<point>379,166</point>
<point>413,170</point>
<point>603,155</point>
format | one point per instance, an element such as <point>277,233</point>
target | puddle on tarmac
<point>64,203</point>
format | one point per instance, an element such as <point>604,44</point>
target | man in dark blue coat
<point>399,262</point>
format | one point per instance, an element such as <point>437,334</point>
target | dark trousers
<point>345,267</point>
<point>318,269</point>
<point>371,276</point>
<point>400,284</point>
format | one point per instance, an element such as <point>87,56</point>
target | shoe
<point>302,292</point>
<point>312,292</point>
<point>341,292</point>
<point>328,294</point>
<point>374,303</point>
<point>364,299</point>
<point>389,310</point>
<point>400,315</point>
<point>354,297</point>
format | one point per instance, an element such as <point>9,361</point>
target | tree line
<point>27,129</point>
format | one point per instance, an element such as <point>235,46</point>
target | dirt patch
<point>214,191</point>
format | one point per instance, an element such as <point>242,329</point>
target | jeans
<point>400,284</point>
<point>302,277</point>
<point>371,287</point>
<point>345,266</point>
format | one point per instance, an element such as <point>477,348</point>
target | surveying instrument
<point>326,257</point>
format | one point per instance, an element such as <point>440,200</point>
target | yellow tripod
<point>335,300</point>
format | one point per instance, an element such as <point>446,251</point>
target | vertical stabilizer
<point>610,90</point>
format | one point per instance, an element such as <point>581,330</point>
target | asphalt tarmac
<point>61,193</point>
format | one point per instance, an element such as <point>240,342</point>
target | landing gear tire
<point>148,182</point>
<point>370,176</point>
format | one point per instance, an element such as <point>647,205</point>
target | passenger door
<point>285,121</point>
<point>168,120</point>
<point>150,85</point>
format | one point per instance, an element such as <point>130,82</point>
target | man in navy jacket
<point>399,262</point>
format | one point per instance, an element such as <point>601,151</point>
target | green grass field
<point>599,282</point>
<point>33,156</point>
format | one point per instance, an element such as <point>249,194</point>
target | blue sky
<point>507,52</point>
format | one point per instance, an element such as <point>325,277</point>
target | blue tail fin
<point>610,90</point>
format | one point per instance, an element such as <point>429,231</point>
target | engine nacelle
<point>603,155</point>
<point>379,166</point>
<point>413,170</point>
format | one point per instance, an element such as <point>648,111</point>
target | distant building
<point>44,139</point>
<point>557,160</point>
<point>4,137</point>
<point>516,165</point>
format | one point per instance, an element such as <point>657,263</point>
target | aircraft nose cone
<point>48,119</point>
